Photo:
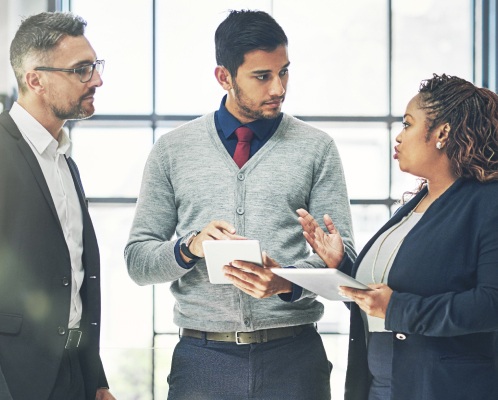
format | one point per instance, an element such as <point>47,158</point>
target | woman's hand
<point>329,247</point>
<point>374,302</point>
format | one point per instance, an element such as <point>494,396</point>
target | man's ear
<point>34,82</point>
<point>223,77</point>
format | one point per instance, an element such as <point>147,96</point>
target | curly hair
<point>472,114</point>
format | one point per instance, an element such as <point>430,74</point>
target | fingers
<point>374,302</point>
<point>329,224</point>
<point>215,230</point>
<point>306,220</point>
<point>269,262</point>
<point>256,281</point>
<point>219,230</point>
<point>350,292</point>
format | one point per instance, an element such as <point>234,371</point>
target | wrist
<point>185,243</point>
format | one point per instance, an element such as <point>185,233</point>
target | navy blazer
<point>444,309</point>
<point>35,278</point>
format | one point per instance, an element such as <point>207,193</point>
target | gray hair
<point>38,35</point>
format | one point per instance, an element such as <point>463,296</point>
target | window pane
<point>364,153</point>
<point>429,37</point>
<point>163,351</point>
<point>186,60</point>
<point>122,299</point>
<point>164,127</point>
<point>338,54</point>
<point>335,317</point>
<point>164,302</point>
<point>367,220</point>
<point>121,33</point>
<point>126,334</point>
<point>111,160</point>
<point>401,181</point>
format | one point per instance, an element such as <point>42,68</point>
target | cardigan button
<point>240,210</point>
<point>400,336</point>
<point>61,330</point>
<point>241,177</point>
<point>65,281</point>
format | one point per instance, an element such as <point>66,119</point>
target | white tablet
<point>322,281</point>
<point>218,253</point>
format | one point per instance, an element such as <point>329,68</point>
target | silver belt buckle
<point>73,339</point>
<point>237,338</point>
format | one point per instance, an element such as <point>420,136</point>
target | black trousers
<point>69,384</point>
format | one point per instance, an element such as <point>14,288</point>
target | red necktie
<point>244,137</point>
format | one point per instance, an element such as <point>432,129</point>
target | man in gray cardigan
<point>198,185</point>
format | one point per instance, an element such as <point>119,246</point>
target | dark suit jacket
<point>35,278</point>
<point>445,301</point>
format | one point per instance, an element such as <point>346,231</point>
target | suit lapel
<point>89,237</point>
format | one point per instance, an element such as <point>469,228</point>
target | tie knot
<point>244,134</point>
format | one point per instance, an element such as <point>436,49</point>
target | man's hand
<point>215,230</point>
<point>329,247</point>
<point>104,394</point>
<point>374,302</point>
<point>255,280</point>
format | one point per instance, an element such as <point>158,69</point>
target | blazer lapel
<point>89,236</point>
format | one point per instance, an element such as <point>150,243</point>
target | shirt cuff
<point>296,293</point>
<point>179,259</point>
<point>291,297</point>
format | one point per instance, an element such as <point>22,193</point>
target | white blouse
<point>378,261</point>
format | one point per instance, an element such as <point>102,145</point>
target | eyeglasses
<point>85,72</point>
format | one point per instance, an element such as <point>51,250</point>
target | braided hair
<point>472,114</point>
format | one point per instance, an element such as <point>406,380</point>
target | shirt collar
<point>262,128</point>
<point>36,134</point>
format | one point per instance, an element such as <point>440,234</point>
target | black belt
<point>261,336</point>
<point>73,339</point>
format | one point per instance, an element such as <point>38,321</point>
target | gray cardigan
<point>190,180</point>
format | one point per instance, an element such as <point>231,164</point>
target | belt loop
<point>204,337</point>
<point>264,336</point>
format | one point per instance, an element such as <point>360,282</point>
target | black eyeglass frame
<point>79,70</point>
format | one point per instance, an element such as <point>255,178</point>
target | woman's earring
<point>439,145</point>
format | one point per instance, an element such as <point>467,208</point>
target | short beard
<point>76,112</point>
<point>246,111</point>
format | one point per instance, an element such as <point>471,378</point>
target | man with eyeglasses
<point>49,257</point>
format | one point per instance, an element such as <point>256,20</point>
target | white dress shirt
<point>50,154</point>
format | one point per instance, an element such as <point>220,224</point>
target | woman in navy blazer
<point>435,285</point>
